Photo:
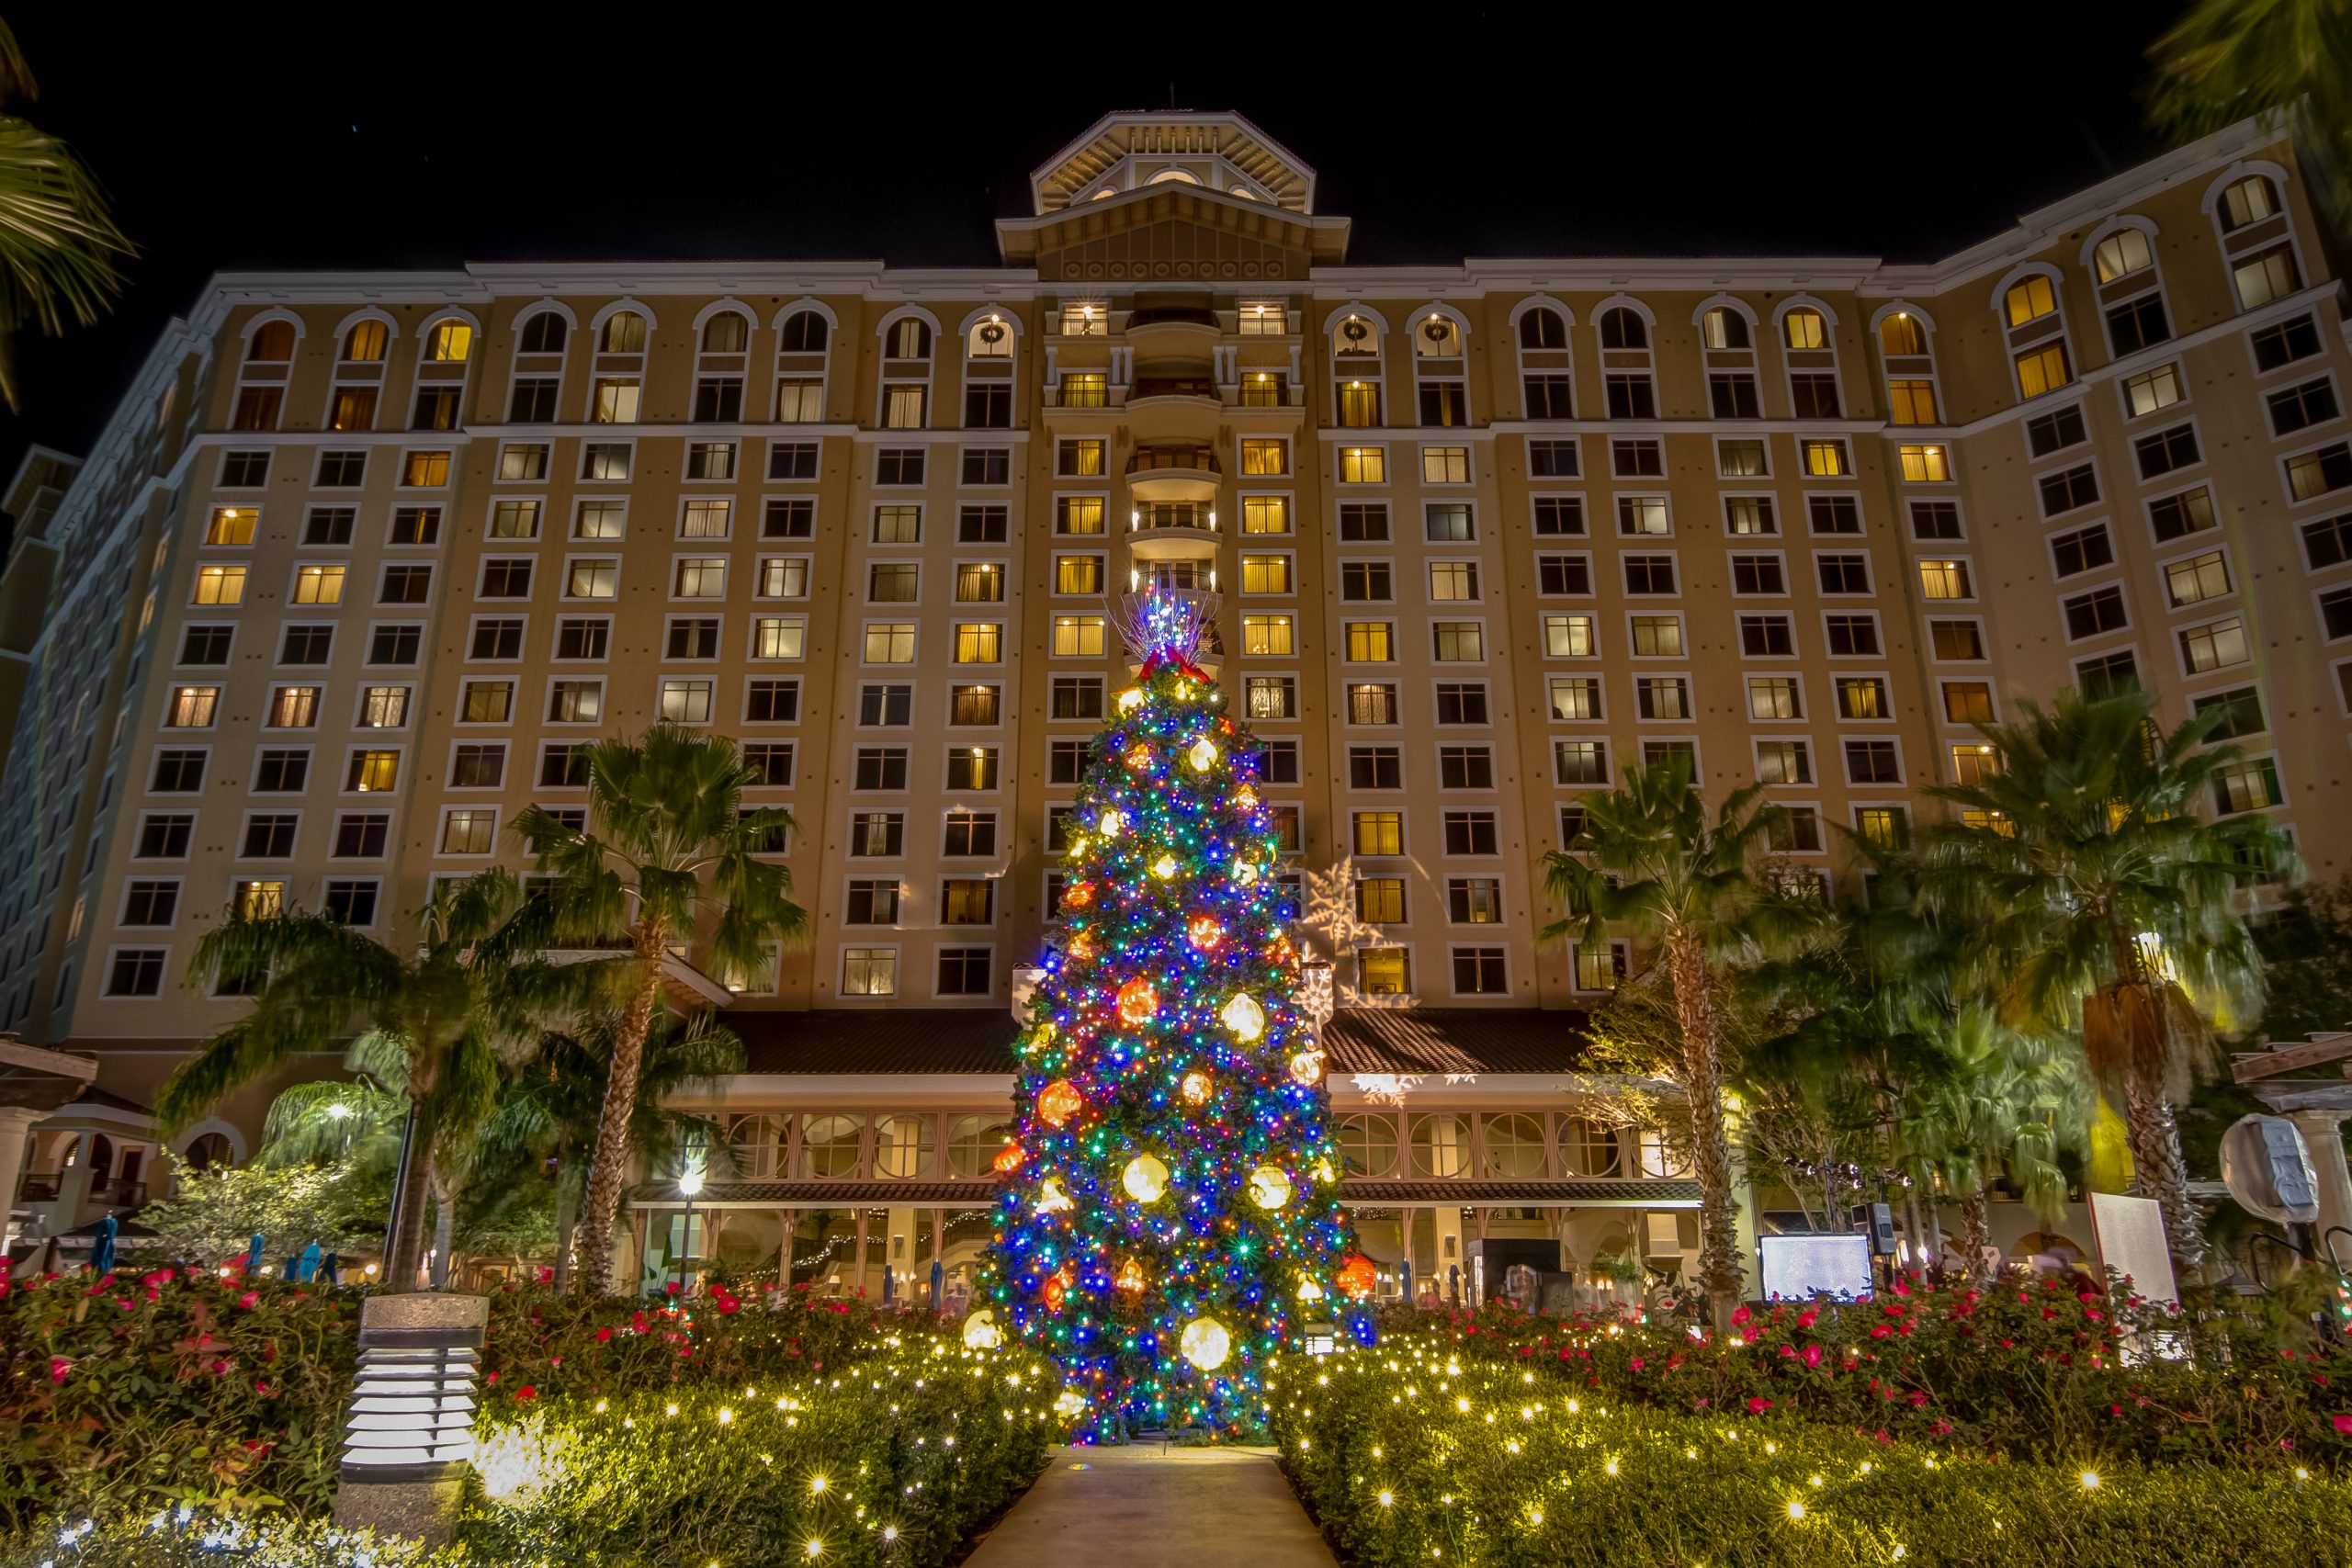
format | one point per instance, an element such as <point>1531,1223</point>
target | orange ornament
<point>1139,757</point>
<point>1059,1102</point>
<point>1056,1287</point>
<point>1137,1000</point>
<point>1078,895</point>
<point>1204,933</point>
<point>1357,1276</point>
<point>1009,1158</point>
<point>1130,1276</point>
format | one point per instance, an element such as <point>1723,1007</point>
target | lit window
<point>1826,459</point>
<point>779,637</point>
<point>1384,972</point>
<point>317,584</point>
<point>2248,201</point>
<point>1944,580</point>
<point>1075,636</point>
<point>1570,637</point>
<point>2030,299</point>
<point>869,972</point>
<point>1445,465</point>
<point>1925,464</point>
<point>191,707</point>
<point>1266,636</point>
<point>1265,574</point>
<point>2042,369</point>
<point>448,342</point>
<point>685,702</point>
<point>1265,515</point>
<point>700,577</point>
<point>1911,400</point>
<point>1363,465</point>
<point>2122,254</point>
<point>373,771</point>
<point>232,526</point>
<point>1264,456</point>
<point>1804,328</point>
<point>2152,390</point>
<point>220,586</point>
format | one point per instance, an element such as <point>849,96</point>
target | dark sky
<point>359,136</point>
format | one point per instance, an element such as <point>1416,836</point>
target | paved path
<point>1145,1506</point>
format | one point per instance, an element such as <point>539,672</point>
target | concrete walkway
<point>1145,1506</point>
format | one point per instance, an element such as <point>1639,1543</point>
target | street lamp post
<point>689,1183</point>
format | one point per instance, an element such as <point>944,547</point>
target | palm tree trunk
<point>445,1226</point>
<point>408,1208</point>
<point>2160,1171</point>
<point>609,1165</point>
<point>567,1219</point>
<point>1694,1007</point>
<point>1976,1230</point>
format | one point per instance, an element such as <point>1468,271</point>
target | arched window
<point>909,337</point>
<point>1724,328</point>
<point>212,1149</point>
<point>725,333</point>
<point>1355,336</point>
<point>544,334</point>
<point>1901,334</point>
<point>1804,328</point>
<point>1624,328</point>
<point>989,339</point>
<point>2248,201</point>
<point>1172,178</point>
<point>449,343</point>
<point>1441,1146</point>
<point>1541,328</point>
<point>1587,1147</point>
<point>2122,254</point>
<point>804,332</point>
<point>624,333</point>
<point>2028,300</point>
<point>363,344</point>
<point>272,340</point>
<point>829,1146</point>
<point>1437,337</point>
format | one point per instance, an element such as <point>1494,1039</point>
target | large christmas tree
<point>1169,1209</point>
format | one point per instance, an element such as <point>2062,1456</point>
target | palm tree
<point>2228,59</point>
<point>2091,894</point>
<point>58,242</point>
<point>2006,1102</point>
<point>667,842</point>
<point>1648,861</point>
<point>446,1018</point>
<point>551,1105</point>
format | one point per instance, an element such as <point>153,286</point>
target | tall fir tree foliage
<point>1170,1211</point>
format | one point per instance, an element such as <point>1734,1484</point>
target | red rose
<point>1758,1406</point>
<point>526,1391</point>
<point>250,1299</point>
<point>2344,1425</point>
<point>1918,1397</point>
<point>604,1337</point>
<point>60,1365</point>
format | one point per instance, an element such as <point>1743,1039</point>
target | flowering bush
<point>1421,1451</point>
<point>2026,1368</point>
<point>144,1391</point>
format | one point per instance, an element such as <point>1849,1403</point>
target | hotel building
<point>363,558</point>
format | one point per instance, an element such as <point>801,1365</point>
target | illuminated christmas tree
<point>1169,1210</point>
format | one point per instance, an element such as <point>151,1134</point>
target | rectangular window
<point>2308,474</point>
<point>1080,697</point>
<point>889,642</point>
<point>1363,465</point>
<point>2300,407</point>
<point>1911,400</point>
<point>1767,637</point>
<point>2165,450</point>
<point>897,524</point>
<point>1934,520</point>
<point>1649,574</point>
<point>1077,515</point>
<point>382,707</point>
<point>969,833</point>
<point>1968,702</point>
<point>1370,642</point>
<point>2248,785</point>
<point>1472,900</point>
<point>1265,574</point>
<point>1862,697</point>
<point>772,702</point>
<point>1872,762</point>
<point>1731,395</point>
<point>1826,459</point>
<point>2056,430</point>
<point>1378,832</point>
<point>1637,459</point>
<point>1833,514</point>
<point>1656,637</point>
<point>2268,274</point>
<point>1662,697</point>
<point>2042,369</point>
<point>1265,515</point>
<point>218,585</point>
<point>1564,575</point>
<point>139,970</point>
<point>1944,580</point>
<point>1783,763</point>
<point>1758,574</point>
<point>1773,697</point>
<point>1750,516</point>
<point>1851,636</point>
<point>1364,523</point>
<point>2137,324</point>
<point>2152,390</point>
<point>709,518</point>
<point>1458,641</point>
<point>2097,612</point>
<point>1640,516</point>
<point>699,577</point>
<point>1075,636</point>
<point>869,972</point>
<point>684,701</point>
<point>2085,549</point>
<point>1629,394</point>
<point>1570,637</point>
<point>1579,761</point>
<point>1552,460</point>
<point>891,582</point>
<point>2215,646</point>
<point>1266,636</point>
<point>1448,522</point>
<point>2197,578</point>
<point>872,903</point>
<point>1479,971</point>
<point>2173,516</point>
<point>1375,767</point>
<point>205,645</point>
<point>2234,713</point>
<point>1380,900</point>
<point>1371,703</point>
<point>371,772</point>
<point>2282,345</point>
<point>2068,488</point>
<point>293,708</point>
<point>1384,972</point>
<point>1924,464</point>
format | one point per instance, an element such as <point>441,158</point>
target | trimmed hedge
<point>2027,1368</point>
<point>1411,1453</point>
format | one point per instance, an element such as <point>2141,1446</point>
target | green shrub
<point>890,1462</point>
<point>1414,1453</point>
<point>2025,1369</point>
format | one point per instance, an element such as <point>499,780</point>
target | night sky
<point>380,137</point>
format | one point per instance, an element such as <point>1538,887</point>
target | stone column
<point>857,1277</point>
<point>898,1253</point>
<point>2323,1134</point>
<point>15,1142</point>
<point>73,1186</point>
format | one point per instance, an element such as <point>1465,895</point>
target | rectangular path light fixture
<point>409,1436</point>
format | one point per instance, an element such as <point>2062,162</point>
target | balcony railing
<point>1174,386</point>
<point>1197,517</point>
<point>1199,459</point>
<point>1171,315</point>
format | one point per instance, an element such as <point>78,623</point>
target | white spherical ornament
<point>1070,1403</point>
<point>1206,1343</point>
<point>980,1331</point>
<point>1244,1017</point>
<point>1307,1067</point>
<point>1270,1186</point>
<point>1051,1199</point>
<point>1245,875</point>
<point>1111,824</point>
<point>1308,1291</point>
<point>1146,1178</point>
<point>1203,755</point>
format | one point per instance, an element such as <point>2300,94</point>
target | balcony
<point>1171,315</point>
<point>1169,531</point>
<point>1154,459</point>
<point>1163,386</point>
<point>1175,472</point>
